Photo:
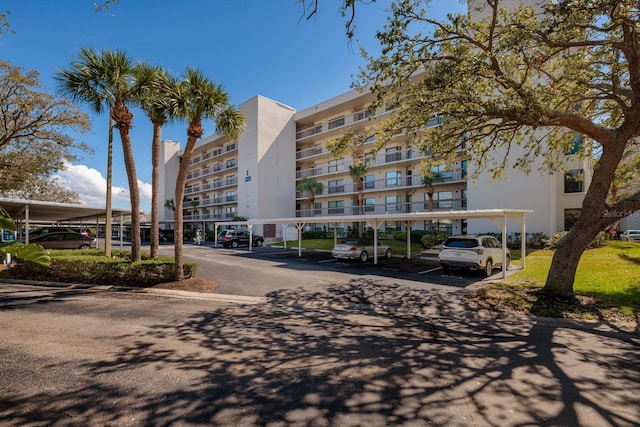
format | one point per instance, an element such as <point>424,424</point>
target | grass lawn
<point>607,286</point>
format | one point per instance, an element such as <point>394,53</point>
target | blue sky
<point>251,47</point>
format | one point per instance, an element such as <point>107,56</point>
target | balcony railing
<point>218,151</point>
<point>336,123</point>
<point>411,181</point>
<point>388,208</point>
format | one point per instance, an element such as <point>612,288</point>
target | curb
<point>211,296</point>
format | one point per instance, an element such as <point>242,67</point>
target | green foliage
<point>430,240</point>
<point>29,252</point>
<point>556,238</point>
<point>35,140</point>
<point>87,267</point>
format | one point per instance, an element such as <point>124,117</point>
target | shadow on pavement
<point>360,353</point>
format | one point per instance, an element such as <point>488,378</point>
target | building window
<point>570,218</point>
<point>230,196</point>
<point>337,122</point>
<point>393,154</point>
<point>441,200</point>
<point>370,181</point>
<point>393,204</point>
<point>576,145</point>
<point>231,163</point>
<point>333,166</point>
<point>463,165</point>
<point>336,186</point>
<point>336,207</point>
<point>230,180</point>
<point>369,204</point>
<point>393,179</point>
<point>317,208</point>
<point>574,181</point>
<point>445,172</point>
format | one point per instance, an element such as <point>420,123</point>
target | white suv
<point>472,252</point>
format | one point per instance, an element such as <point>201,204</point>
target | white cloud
<point>91,186</point>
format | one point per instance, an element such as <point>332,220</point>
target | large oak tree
<point>523,80</point>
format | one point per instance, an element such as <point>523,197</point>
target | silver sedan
<point>359,249</point>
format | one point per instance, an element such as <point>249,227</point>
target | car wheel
<point>488,268</point>
<point>508,262</point>
<point>164,238</point>
<point>446,269</point>
<point>234,244</point>
<point>85,246</point>
<point>364,256</point>
<point>387,254</point>
<point>258,242</point>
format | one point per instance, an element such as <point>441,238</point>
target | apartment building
<point>257,175</point>
<point>251,177</point>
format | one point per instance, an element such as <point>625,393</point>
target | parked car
<point>46,230</point>
<point>64,240</point>
<point>482,253</point>
<point>235,238</point>
<point>361,249</point>
<point>631,236</point>
<point>166,235</point>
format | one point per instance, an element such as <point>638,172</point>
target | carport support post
<point>284,235</point>
<point>335,233</point>
<point>250,227</point>
<point>504,245</point>
<point>26,223</point>
<point>300,226</point>
<point>408,226</point>
<point>121,230</point>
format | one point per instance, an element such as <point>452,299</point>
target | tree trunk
<point>108,214</point>
<point>134,194</point>
<point>592,220</point>
<point>155,184</point>
<point>123,119</point>
<point>312,199</point>
<point>179,196</point>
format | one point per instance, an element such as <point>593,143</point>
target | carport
<point>498,216</point>
<point>24,212</point>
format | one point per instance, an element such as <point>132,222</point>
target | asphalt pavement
<point>335,346</point>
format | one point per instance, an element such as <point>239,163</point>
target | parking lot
<point>268,269</point>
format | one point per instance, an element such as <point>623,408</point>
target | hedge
<point>99,270</point>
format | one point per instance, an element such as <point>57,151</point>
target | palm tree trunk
<point>155,184</point>
<point>134,194</point>
<point>108,214</point>
<point>178,214</point>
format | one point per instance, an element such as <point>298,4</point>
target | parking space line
<point>327,260</point>
<point>429,271</point>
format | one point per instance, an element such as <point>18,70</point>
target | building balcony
<point>336,123</point>
<point>388,208</point>
<point>383,184</point>
<point>217,152</point>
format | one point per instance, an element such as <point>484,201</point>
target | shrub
<point>313,234</point>
<point>430,240</point>
<point>99,270</point>
<point>556,238</point>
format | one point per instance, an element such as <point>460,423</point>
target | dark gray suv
<point>235,238</point>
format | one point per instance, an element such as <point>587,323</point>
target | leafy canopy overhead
<point>516,77</point>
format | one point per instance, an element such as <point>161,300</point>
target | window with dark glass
<point>574,181</point>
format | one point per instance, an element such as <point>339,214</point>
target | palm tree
<point>196,98</point>
<point>106,78</point>
<point>312,187</point>
<point>84,83</point>
<point>357,171</point>
<point>428,179</point>
<point>147,89</point>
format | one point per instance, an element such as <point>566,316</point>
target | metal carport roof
<point>497,216</point>
<point>53,212</point>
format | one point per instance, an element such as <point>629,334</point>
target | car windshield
<point>461,243</point>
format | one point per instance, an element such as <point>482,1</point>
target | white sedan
<point>631,236</point>
<point>358,249</point>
